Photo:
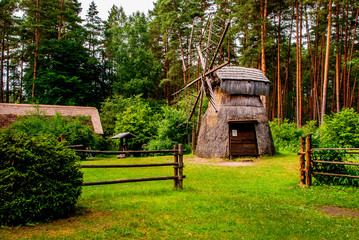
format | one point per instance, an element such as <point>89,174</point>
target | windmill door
<point>242,139</point>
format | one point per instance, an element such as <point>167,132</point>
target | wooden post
<point>180,166</point>
<point>175,159</point>
<point>308,160</point>
<point>302,162</point>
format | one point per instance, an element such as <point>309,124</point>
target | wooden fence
<point>177,165</point>
<point>306,161</point>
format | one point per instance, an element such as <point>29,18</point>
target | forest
<point>49,55</point>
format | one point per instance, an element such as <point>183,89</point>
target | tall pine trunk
<point>60,20</point>
<point>263,51</point>
<point>279,83</point>
<point>298,72</point>
<point>2,70</point>
<point>37,34</point>
<point>326,69</point>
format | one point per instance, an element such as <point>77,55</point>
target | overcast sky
<point>129,6</point>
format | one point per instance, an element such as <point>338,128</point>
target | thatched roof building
<point>240,127</point>
<point>9,113</point>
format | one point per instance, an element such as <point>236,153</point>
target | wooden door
<point>242,139</point>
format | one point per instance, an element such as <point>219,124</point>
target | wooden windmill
<point>202,60</point>
<point>235,123</point>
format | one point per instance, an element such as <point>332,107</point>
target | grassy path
<point>262,201</point>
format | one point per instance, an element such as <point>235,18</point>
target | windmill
<point>236,122</point>
<point>202,59</point>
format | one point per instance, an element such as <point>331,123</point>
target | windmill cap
<point>242,80</point>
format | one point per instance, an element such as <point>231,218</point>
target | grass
<point>262,201</point>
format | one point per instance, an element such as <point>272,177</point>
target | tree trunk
<point>326,70</point>
<point>37,34</point>
<point>298,73</point>
<point>8,73</point>
<point>279,83</point>
<point>337,67</point>
<point>60,20</point>
<point>263,51</point>
<point>2,70</point>
<point>350,59</point>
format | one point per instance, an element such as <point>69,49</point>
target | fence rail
<point>306,161</point>
<point>177,165</point>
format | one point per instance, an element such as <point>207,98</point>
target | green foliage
<point>39,178</point>
<point>286,135</point>
<point>337,156</point>
<point>77,130</point>
<point>110,109</point>
<point>341,129</point>
<point>157,126</point>
<point>170,130</point>
<point>128,41</point>
<point>139,118</point>
<point>67,75</point>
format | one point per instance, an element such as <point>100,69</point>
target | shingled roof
<point>242,81</point>
<point>241,73</point>
<point>50,110</point>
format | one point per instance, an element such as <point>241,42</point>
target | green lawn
<point>262,201</point>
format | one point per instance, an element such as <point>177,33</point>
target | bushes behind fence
<point>337,156</point>
<point>39,179</point>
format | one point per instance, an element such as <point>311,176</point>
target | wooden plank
<point>175,168</point>
<point>335,175</point>
<point>339,163</point>
<point>131,180</point>
<point>317,149</point>
<point>123,152</point>
<point>75,146</point>
<point>308,160</point>
<point>129,165</point>
<point>302,161</point>
<point>199,78</point>
<point>180,166</point>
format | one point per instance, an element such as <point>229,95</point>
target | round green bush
<point>340,129</point>
<point>39,179</point>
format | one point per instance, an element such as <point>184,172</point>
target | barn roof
<point>50,110</point>
<point>124,135</point>
<point>241,73</point>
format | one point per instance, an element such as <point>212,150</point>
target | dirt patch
<point>222,162</point>
<point>338,212</point>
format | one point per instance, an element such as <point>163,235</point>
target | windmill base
<point>239,128</point>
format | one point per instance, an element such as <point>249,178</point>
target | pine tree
<point>94,27</point>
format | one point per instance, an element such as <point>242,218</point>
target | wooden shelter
<point>10,111</point>
<point>240,126</point>
<point>124,139</point>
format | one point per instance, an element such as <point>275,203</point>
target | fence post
<point>175,167</point>
<point>308,160</point>
<point>180,166</point>
<point>302,161</point>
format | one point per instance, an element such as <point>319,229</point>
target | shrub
<point>286,135</point>
<point>338,156</point>
<point>39,179</point>
<point>139,119</point>
<point>340,129</point>
<point>77,130</point>
<point>170,130</point>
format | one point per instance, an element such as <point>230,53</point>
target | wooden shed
<point>10,111</point>
<point>240,127</point>
<point>124,139</point>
